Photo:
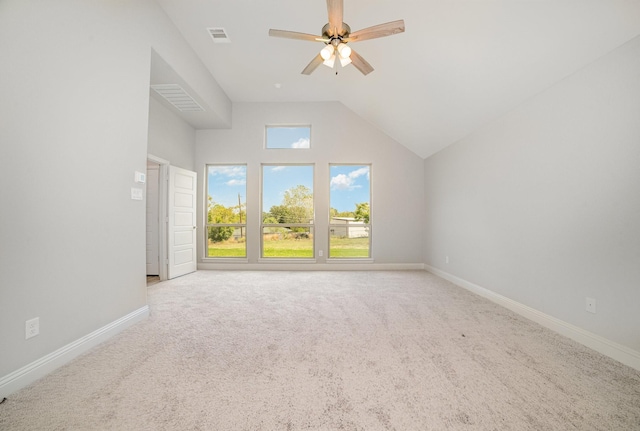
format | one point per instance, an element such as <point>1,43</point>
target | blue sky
<point>278,179</point>
<point>349,184</point>
<point>225,182</point>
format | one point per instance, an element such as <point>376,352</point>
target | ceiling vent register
<point>179,98</point>
<point>219,35</point>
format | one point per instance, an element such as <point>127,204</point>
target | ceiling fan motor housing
<point>335,39</point>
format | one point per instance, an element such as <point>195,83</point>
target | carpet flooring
<point>379,350</point>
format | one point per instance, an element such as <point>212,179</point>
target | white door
<point>182,222</point>
<point>153,221</point>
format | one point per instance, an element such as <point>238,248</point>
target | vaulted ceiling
<point>459,65</point>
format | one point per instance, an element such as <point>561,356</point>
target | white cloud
<point>347,182</point>
<point>359,172</point>
<point>278,168</point>
<point>228,171</point>
<point>236,182</point>
<point>301,143</point>
<point>341,182</point>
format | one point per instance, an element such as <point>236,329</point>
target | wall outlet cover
<point>32,328</point>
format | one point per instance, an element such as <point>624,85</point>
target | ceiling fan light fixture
<point>336,34</point>
<point>329,62</point>
<point>344,51</point>
<point>327,52</point>
<point>345,61</point>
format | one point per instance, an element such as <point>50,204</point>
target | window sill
<point>339,260</point>
<point>224,260</point>
<point>284,260</point>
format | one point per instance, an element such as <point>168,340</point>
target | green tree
<point>299,202</point>
<point>218,213</point>
<point>362,212</point>
<point>279,214</point>
<point>346,214</point>
<point>296,207</point>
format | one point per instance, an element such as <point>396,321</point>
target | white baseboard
<point>342,265</point>
<point>43,366</point>
<point>600,344</point>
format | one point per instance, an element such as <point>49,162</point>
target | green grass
<point>349,247</point>
<point>288,248</point>
<point>294,248</point>
<point>230,248</point>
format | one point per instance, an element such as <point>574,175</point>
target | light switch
<point>136,194</point>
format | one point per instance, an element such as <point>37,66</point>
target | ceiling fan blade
<point>294,35</point>
<point>380,30</point>
<point>360,63</point>
<point>317,61</point>
<point>335,8</point>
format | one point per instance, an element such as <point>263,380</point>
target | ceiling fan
<point>336,35</point>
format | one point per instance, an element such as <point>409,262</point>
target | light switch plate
<point>136,194</point>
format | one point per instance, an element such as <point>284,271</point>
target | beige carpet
<point>329,351</point>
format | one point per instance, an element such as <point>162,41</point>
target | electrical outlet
<point>446,259</point>
<point>320,253</point>
<point>32,328</point>
<point>591,305</point>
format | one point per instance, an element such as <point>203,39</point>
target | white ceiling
<point>459,65</point>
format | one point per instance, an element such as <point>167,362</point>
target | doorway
<point>156,219</point>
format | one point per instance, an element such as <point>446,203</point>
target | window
<point>287,211</point>
<point>349,223</point>
<point>295,137</point>
<point>226,211</point>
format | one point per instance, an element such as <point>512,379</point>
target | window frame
<point>285,126</point>
<point>241,226</point>
<point>367,226</point>
<point>310,226</point>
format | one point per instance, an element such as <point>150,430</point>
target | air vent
<point>177,97</point>
<point>219,35</point>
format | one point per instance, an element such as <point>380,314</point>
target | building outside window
<point>350,209</point>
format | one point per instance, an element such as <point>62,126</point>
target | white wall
<point>170,137</point>
<point>74,112</point>
<point>543,205</point>
<point>337,136</point>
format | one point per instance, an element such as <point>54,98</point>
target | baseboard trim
<point>300,266</point>
<point>43,366</point>
<point>596,342</point>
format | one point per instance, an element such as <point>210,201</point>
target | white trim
<point>156,159</point>
<point>43,366</point>
<point>596,342</point>
<point>345,260</point>
<point>308,266</point>
<point>163,197</point>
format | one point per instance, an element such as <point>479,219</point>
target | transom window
<point>226,211</point>
<point>293,137</point>
<point>350,209</point>
<point>287,211</point>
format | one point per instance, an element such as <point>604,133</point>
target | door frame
<point>163,212</point>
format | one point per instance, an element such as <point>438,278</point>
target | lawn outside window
<point>349,212</point>
<point>287,211</point>
<point>226,227</point>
